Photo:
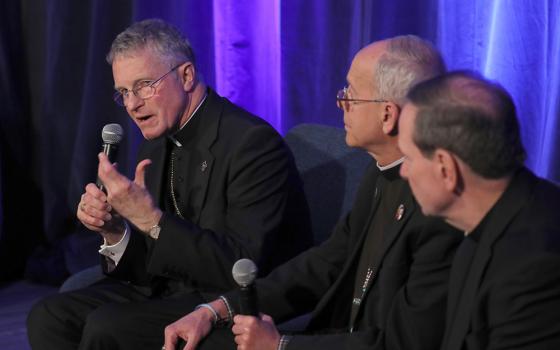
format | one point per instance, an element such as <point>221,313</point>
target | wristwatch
<point>154,231</point>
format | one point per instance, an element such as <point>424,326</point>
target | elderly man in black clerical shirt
<point>380,281</point>
<point>464,162</point>
<point>213,184</point>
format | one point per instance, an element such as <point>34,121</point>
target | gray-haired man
<point>214,184</point>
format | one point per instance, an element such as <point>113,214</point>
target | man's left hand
<point>129,198</point>
<point>254,333</point>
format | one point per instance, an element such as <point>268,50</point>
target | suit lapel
<point>393,231</point>
<point>202,160</point>
<point>496,222</point>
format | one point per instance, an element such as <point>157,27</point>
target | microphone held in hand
<point>112,134</point>
<point>244,273</point>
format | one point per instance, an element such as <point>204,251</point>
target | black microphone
<point>244,273</point>
<point>111,134</point>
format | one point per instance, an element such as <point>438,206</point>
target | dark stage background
<point>281,59</point>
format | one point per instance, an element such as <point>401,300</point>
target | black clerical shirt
<point>388,192</point>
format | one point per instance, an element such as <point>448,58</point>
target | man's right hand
<point>192,329</point>
<point>97,215</point>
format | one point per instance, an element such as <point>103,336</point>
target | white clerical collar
<point>172,137</point>
<point>389,166</point>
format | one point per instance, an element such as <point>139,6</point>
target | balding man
<point>380,281</point>
<point>464,162</point>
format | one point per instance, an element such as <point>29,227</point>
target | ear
<point>390,122</point>
<point>447,170</point>
<point>188,75</point>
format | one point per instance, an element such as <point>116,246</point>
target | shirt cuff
<point>116,251</point>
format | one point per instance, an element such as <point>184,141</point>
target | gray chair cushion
<point>331,172</point>
<point>82,279</point>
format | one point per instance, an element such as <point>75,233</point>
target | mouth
<point>143,119</point>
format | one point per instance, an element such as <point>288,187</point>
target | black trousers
<point>106,315</point>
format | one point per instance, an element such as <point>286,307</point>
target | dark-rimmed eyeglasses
<point>143,89</point>
<point>343,102</point>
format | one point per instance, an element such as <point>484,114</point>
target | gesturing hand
<point>129,198</point>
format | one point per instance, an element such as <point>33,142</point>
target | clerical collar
<point>172,138</point>
<point>389,166</point>
<point>391,171</point>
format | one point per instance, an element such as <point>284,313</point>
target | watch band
<point>154,231</point>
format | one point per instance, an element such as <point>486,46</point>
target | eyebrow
<point>118,88</point>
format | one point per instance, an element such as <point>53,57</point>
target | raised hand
<point>129,198</point>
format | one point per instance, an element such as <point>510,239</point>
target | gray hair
<point>471,117</point>
<point>161,37</point>
<point>407,61</point>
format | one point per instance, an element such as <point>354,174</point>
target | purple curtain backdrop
<point>283,60</point>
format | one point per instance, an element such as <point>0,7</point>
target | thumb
<point>139,176</point>
<point>267,319</point>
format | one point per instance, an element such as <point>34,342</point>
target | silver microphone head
<point>244,272</point>
<point>112,133</point>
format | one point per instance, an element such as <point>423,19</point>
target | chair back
<point>331,172</point>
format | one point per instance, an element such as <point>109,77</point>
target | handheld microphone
<point>244,273</point>
<point>111,134</point>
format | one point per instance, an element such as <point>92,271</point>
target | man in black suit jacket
<point>380,280</point>
<point>214,184</point>
<point>464,162</point>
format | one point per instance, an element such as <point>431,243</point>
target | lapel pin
<point>400,212</point>
<point>203,166</point>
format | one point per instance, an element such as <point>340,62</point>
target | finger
<point>239,327</point>
<point>108,173</point>
<point>141,171</point>
<point>89,202</point>
<point>191,343</point>
<point>170,338</point>
<point>95,210</point>
<point>267,318</point>
<point>241,319</point>
<point>94,191</point>
<point>94,221</point>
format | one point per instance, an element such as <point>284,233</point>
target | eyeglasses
<point>143,89</point>
<point>343,102</point>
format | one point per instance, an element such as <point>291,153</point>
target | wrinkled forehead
<point>135,66</point>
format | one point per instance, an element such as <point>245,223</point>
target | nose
<point>132,102</point>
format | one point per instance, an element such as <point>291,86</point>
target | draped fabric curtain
<point>283,60</point>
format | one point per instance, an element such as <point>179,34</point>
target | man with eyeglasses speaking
<point>380,280</point>
<point>214,184</point>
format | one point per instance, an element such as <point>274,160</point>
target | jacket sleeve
<point>522,307</point>
<point>417,314</point>
<point>297,286</point>
<point>263,193</point>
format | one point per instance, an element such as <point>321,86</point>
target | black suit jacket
<point>245,200</point>
<point>405,306</point>
<point>511,295</point>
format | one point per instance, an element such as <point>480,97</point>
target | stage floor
<point>16,299</point>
